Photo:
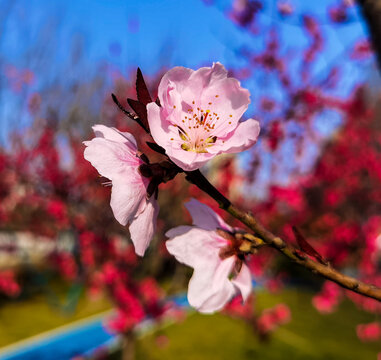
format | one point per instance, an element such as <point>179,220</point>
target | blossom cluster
<point>369,332</point>
<point>196,117</point>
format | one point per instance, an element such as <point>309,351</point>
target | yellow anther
<point>185,147</point>
<point>211,140</point>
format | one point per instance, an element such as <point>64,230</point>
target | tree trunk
<point>371,10</point>
<point>128,346</point>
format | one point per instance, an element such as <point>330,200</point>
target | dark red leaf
<point>152,187</point>
<point>145,170</point>
<point>130,115</point>
<point>140,110</point>
<point>306,247</point>
<point>144,158</point>
<point>120,106</point>
<point>156,147</point>
<point>141,89</point>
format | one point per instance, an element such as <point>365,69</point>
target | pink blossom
<point>270,319</point>
<point>362,50</point>
<point>241,310</point>
<point>199,116</point>
<point>66,264</point>
<point>8,284</point>
<point>282,313</point>
<point>114,155</point>
<point>121,322</point>
<point>328,299</point>
<point>369,332</point>
<point>218,271</point>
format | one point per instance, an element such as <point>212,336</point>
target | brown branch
<point>371,11</point>
<point>324,270</point>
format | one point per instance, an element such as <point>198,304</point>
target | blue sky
<point>167,32</point>
<point>40,35</point>
<point>124,34</point>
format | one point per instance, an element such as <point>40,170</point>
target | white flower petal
<point>204,217</point>
<point>209,288</point>
<point>142,228</point>
<point>243,282</point>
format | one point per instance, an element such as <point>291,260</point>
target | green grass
<point>23,319</point>
<point>309,335</point>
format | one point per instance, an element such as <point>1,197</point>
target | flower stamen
<point>200,123</point>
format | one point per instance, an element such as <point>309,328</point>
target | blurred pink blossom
<point>270,319</point>
<point>327,300</point>
<point>122,322</point>
<point>241,310</point>
<point>362,50</point>
<point>8,283</point>
<point>369,332</point>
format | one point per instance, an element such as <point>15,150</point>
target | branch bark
<point>128,345</point>
<point>277,243</point>
<point>371,11</point>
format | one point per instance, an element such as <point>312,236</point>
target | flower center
<point>198,125</point>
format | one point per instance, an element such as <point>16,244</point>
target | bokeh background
<point>70,283</point>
